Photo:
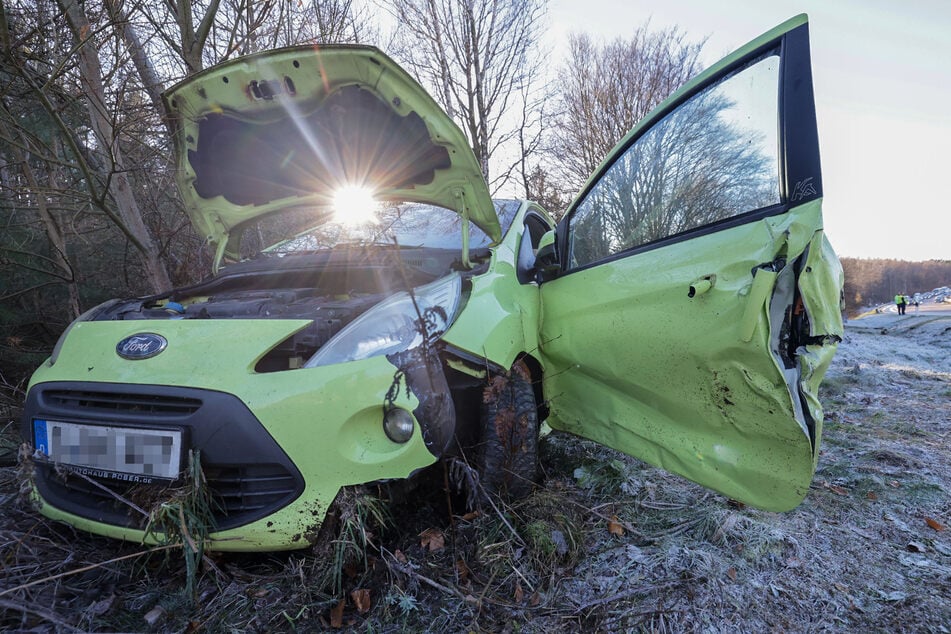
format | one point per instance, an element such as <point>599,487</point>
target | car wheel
<point>508,456</point>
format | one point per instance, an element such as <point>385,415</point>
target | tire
<point>508,456</point>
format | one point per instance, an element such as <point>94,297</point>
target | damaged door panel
<point>720,385</point>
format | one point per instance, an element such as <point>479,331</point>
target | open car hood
<point>287,128</point>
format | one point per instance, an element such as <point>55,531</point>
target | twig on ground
<point>626,594</point>
<point>87,568</point>
<point>626,525</point>
<point>394,564</point>
<point>43,614</point>
<point>518,538</point>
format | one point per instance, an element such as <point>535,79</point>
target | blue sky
<point>883,92</point>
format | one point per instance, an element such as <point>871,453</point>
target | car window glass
<point>410,224</point>
<point>712,158</point>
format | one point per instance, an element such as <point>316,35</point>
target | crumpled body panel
<point>703,386</point>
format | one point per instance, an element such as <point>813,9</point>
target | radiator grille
<point>239,493</point>
<point>141,404</point>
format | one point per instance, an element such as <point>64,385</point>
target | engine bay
<point>329,288</point>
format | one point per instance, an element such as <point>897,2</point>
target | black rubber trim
<point>799,134</point>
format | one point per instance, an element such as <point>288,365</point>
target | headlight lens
<point>392,325</point>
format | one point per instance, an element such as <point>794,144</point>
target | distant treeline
<point>869,282</point>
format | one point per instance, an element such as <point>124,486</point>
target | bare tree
<point>479,59</point>
<point>46,210</point>
<point>118,184</point>
<point>187,36</point>
<point>325,22</point>
<point>606,89</point>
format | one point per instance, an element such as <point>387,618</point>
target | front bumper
<point>276,447</point>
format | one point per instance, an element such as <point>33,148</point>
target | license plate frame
<point>111,451</point>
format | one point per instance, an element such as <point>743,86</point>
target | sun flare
<point>355,205</point>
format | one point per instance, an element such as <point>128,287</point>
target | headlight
<point>393,324</point>
<point>86,316</point>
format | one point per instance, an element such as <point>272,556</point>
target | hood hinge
<point>464,214</point>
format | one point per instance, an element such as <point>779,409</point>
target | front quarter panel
<point>500,319</point>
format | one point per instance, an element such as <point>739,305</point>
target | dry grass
<point>609,544</point>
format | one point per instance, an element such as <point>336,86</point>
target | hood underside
<point>287,129</point>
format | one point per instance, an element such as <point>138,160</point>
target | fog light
<point>398,425</point>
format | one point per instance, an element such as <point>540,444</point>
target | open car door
<point>696,305</point>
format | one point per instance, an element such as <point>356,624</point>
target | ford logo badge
<point>143,345</point>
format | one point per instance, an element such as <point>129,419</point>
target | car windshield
<point>408,225</point>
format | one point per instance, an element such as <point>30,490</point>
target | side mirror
<point>546,257</point>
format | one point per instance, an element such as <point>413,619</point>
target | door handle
<point>702,285</point>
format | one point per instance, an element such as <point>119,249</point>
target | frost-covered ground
<point>609,544</point>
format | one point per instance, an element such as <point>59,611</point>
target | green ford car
<point>372,311</point>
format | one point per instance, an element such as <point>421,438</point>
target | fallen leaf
<point>935,524</point>
<point>614,526</point>
<point>561,545</point>
<point>519,593</point>
<point>468,517</point>
<point>862,533</point>
<point>154,615</point>
<point>731,573</point>
<point>102,606</point>
<point>336,615</point>
<point>871,495</point>
<point>535,599</point>
<point>835,489</point>
<point>361,599</point>
<point>462,570</point>
<point>432,539</point>
<point>400,557</point>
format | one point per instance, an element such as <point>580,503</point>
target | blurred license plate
<point>117,453</point>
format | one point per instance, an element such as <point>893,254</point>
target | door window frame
<point>798,153</point>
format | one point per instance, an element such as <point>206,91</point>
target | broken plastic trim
<point>471,364</point>
<point>420,369</point>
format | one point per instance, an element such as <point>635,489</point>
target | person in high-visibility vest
<point>900,303</point>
